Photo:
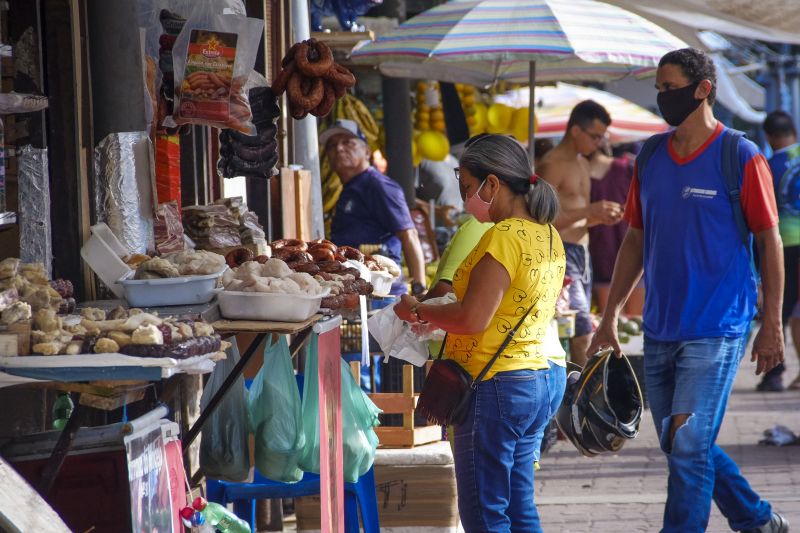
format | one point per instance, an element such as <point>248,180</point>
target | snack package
<point>212,58</point>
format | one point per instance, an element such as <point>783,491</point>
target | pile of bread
<point>126,331</point>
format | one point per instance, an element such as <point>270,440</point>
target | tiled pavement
<point>626,492</point>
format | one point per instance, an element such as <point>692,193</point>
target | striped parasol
<point>629,122</point>
<point>481,41</point>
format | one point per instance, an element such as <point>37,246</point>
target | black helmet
<point>602,405</point>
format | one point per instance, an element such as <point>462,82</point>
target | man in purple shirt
<point>372,208</point>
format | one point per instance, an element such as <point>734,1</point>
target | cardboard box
<point>15,339</point>
<point>416,492</point>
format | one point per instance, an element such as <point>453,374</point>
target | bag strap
<point>511,332</point>
<point>732,173</point>
<point>648,149</point>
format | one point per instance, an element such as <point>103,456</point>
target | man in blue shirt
<point>372,208</point>
<point>785,165</point>
<point>700,293</point>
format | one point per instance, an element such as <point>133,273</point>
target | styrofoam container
<point>103,253</point>
<point>268,306</point>
<point>185,290</point>
<point>381,283</point>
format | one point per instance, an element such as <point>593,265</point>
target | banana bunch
<point>331,188</point>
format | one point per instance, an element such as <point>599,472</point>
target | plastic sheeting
<point>35,237</point>
<point>123,192</point>
<point>767,20</point>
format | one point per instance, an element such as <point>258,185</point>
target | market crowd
<point>696,219</point>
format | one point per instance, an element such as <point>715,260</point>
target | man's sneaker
<point>777,524</point>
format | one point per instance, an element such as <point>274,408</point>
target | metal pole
<point>397,123</point>
<point>532,109</point>
<point>306,142</point>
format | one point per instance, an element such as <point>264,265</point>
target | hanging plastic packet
<point>212,58</point>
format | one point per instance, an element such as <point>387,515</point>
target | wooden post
<point>408,392</point>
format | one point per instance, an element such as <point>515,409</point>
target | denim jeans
<point>695,378</point>
<point>556,384</point>
<point>495,449</point>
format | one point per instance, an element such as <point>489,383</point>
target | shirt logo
<point>693,192</point>
<point>348,207</point>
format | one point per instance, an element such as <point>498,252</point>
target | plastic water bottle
<point>220,517</point>
<point>62,410</point>
<point>195,521</point>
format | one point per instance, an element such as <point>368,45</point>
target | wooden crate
<point>404,403</point>
<point>15,339</point>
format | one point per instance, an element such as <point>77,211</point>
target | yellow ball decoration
<point>519,124</point>
<point>433,145</point>
<point>499,117</point>
<point>481,117</point>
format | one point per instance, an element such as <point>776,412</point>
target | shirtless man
<point>566,168</point>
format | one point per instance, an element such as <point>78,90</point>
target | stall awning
<point>766,20</point>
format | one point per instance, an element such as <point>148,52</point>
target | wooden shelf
<point>343,39</point>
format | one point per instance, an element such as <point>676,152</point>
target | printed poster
<point>151,501</point>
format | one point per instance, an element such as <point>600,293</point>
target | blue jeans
<point>556,384</point>
<point>495,449</point>
<point>695,377</point>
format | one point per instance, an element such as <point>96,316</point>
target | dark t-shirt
<point>604,241</point>
<point>371,210</point>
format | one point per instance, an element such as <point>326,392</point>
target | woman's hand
<point>403,308</point>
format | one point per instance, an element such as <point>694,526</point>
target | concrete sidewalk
<point>626,492</point>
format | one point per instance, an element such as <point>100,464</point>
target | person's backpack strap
<point>648,148</point>
<point>732,173</point>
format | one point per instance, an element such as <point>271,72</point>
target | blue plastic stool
<point>360,495</point>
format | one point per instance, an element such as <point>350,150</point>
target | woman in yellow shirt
<point>516,268</point>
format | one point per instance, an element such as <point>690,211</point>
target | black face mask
<point>677,104</point>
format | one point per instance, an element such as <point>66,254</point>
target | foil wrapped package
<point>124,189</point>
<point>35,238</point>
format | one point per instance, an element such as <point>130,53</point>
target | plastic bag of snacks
<point>212,59</point>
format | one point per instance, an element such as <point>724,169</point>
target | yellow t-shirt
<point>522,247</point>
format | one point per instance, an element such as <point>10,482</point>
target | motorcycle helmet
<point>602,404</point>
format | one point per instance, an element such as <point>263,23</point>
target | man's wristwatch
<point>415,313</point>
<point>417,288</point>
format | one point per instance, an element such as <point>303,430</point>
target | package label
<point>206,86</point>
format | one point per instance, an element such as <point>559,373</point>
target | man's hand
<point>605,212</point>
<point>403,308</point>
<point>768,346</point>
<point>606,335</point>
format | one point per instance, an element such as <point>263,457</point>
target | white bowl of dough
<point>269,306</point>
<point>183,290</point>
<point>269,292</point>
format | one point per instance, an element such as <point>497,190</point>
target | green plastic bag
<point>224,452</point>
<point>359,418</point>
<point>309,458</point>
<point>273,407</point>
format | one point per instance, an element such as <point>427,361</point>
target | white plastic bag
<point>400,339</point>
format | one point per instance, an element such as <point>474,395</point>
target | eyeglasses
<point>596,137</point>
<point>457,172</point>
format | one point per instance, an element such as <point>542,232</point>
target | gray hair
<point>508,160</point>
